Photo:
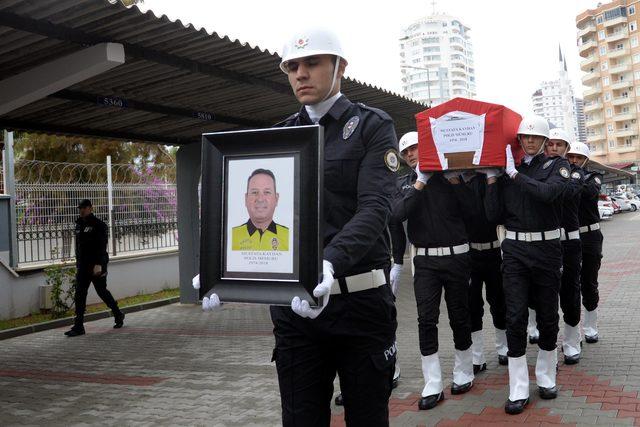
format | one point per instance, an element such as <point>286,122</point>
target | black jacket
<point>396,228</point>
<point>479,228</point>
<point>588,213</point>
<point>91,242</point>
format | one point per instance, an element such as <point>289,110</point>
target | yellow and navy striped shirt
<point>247,237</point>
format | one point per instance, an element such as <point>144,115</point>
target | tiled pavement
<point>177,365</point>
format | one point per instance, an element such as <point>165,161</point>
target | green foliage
<point>62,280</point>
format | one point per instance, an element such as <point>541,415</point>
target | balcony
<point>615,36</point>
<point>625,84</point>
<point>623,117</point>
<point>616,53</point>
<point>586,47</point>
<point>617,69</point>
<point>589,63</point>
<point>594,91</point>
<point>590,77</point>
<point>589,28</point>
<point>615,21</point>
<point>630,131</point>
<point>623,100</point>
<point>595,137</point>
<point>592,106</point>
<point>595,122</point>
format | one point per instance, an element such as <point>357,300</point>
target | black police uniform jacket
<point>532,201</point>
<point>91,243</point>
<point>571,200</point>
<point>396,229</point>
<point>360,164</point>
<point>588,213</point>
<point>479,228</point>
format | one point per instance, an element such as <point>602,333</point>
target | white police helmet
<point>309,43</point>
<point>534,125</point>
<point>580,148</point>
<point>408,139</point>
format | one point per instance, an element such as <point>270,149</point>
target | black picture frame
<point>220,152</point>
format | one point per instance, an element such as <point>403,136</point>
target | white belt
<point>588,228</point>
<point>485,246</point>
<point>572,235</point>
<point>536,236</point>
<point>445,251</point>
<point>360,282</point>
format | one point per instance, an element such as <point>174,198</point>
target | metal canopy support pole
<point>10,188</point>
<point>112,241</point>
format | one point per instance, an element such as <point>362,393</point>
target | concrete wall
<point>19,296</point>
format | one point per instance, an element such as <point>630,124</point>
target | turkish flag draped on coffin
<point>466,134</point>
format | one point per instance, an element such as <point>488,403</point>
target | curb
<point>67,321</point>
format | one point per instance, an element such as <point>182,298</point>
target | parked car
<point>616,207</point>
<point>623,202</point>
<point>633,201</point>
<point>605,207</point>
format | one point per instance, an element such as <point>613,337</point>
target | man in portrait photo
<point>260,232</point>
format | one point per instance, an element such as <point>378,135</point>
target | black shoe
<point>119,318</point>
<point>548,393</point>
<point>503,360</point>
<point>430,402</point>
<point>338,400</point>
<point>513,408</point>
<point>591,339</point>
<point>533,340</point>
<point>461,389</point>
<point>73,332</point>
<point>572,360</point>
<point>479,368</point>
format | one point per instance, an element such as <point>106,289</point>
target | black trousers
<point>84,278</point>
<point>531,270</point>
<point>432,274</point>
<point>570,283</point>
<point>486,268</point>
<point>591,260</point>
<point>354,337</point>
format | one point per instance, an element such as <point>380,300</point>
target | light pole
<point>428,80</point>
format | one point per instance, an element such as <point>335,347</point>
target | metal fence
<point>138,203</point>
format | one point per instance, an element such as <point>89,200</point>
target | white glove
<point>490,172</point>
<point>211,303</point>
<point>452,174</point>
<point>510,168</point>
<point>395,277</point>
<point>322,291</point>
<point>423,177</point>
<point>195,282</point>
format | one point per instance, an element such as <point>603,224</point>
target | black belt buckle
<point>344,289</point>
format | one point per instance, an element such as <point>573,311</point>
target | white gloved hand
<point>195,282</point>
<point>490,172</point>
<point>423,177</point>
<point>322,291</point>
<point>211,303</point>
<point>510,168</point>
<point>395,277</point>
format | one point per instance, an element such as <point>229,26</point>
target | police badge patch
<point>575,175</point>
<point>564,172</point>
<point>274,243</point>
<point>391,160</point>
<point>597,180</point>
<point>350,127</point>
<point>546,165</point>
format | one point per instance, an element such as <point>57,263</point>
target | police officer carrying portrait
<point>528,200</point>
<point>353,332</point>
<point>591,239</point>
<point>486,262</point>
<point>434,208</point>
<point>91,266</point>
<point>557,146</point>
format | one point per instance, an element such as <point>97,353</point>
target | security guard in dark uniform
<point>557,146</point>
<point>591,239</point>
<point>486,262</point>
<point>91,266</point>
<point>434,210</point>
<point>353,333</point>
<point>528,200</point>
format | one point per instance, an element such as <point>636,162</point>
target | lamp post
<point>428,80</point>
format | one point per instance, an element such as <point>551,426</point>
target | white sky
<point>515,41</point>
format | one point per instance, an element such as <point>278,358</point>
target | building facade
<point>608,40</point>
<point>555,101</point>
<point>436,60</point>
<point>580,120</point>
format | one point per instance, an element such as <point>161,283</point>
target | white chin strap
<point>333,81</point>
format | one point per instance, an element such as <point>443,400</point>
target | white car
<point>625,204</point>
<point>635,203</point>
<point>605,208</point>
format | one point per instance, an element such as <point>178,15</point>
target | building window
<point>604,66</point>
<point>633,25</point>
<point>599,19</point>
<point>632,10</point>
<point>637,90</point>
<point>612,143</point>
<point>610,127</point>
<point>607,96</point>
<point>609,112</point>
<point>605,81</point>
<point>636,58</point>
<point>634,41</point>
<point>601,35</point>
<point>603,50</point>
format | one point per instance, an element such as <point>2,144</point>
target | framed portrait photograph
<point>260,214</point>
